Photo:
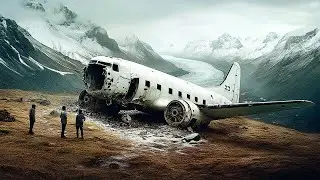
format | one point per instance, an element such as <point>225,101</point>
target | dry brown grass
<point>236,148</point>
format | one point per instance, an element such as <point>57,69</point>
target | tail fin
<point>230,87</point>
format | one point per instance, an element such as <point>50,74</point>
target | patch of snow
<point>230,48</point>
<point>20,59</point>
<point>67,40</point>
<point>59,72</point>
<point>152,136</point>
<point>6,65</point>
<point>198,48</point>
<point>36,63</point>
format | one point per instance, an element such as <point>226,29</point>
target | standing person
<point>79,123</point>
<point>63,117</point>
<point>32,118</point>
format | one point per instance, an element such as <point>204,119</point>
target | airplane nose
<point>94,77</point>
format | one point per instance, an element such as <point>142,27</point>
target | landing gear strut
<point>86,101</point>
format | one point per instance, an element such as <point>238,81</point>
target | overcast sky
<point>161,22</point>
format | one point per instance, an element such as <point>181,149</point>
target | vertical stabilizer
<point>230,87</point>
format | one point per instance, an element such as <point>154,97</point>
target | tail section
<point>230,87</point>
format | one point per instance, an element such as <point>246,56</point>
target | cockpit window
<point>105,63</point>
<point>115,67</point>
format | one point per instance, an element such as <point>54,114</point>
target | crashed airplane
<point>114,83</point>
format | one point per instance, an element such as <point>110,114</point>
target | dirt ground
<point>236,148</point>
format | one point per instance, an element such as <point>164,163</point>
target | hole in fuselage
<point>95,77</point>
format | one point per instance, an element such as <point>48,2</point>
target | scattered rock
<point>52,144</point>
<point>18,100</point>
<point>43,102</point>
<point>4,131</point>
<point>193,136</point>
<point>275,123</point>
<point>126,118</point>
<point>54,113</point>
<point>114,166</point>
<point>5,116</point>
<point>189,129</point>
<point>243,127</point>
<point>21,100</point>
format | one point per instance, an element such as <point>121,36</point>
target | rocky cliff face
<point>226,49</point>
<point>100,35</point>
<point>65,31</point>
<point>291,71</point>
<point>141,52</point>
<point>27,64</point>
<point>226,41</point>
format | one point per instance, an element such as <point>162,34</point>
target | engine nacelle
<point>181,113</point>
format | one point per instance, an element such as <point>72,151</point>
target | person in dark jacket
<point>79,123</point>
<point>63,117</point>
<point>32,118</point>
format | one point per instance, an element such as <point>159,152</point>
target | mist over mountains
<point>44,45</point>
<point>47,42</point>
<point>273,68</point>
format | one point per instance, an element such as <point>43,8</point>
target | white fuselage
<point>151,89</point>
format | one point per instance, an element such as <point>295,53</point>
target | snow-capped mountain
<point>229,48</point>
<point>294,53</point>
<point>44,45</point>
<point>25,63</point>
<point>299,41</point>
<point>58,27</point>
<point>291,71</point>
<point>143,53</point>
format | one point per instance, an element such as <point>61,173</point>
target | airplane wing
<point>243,109</point>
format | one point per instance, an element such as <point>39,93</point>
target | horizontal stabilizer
<point>243,109</point>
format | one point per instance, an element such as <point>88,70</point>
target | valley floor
<point>236,148</point>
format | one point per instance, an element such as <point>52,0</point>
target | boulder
<point>5,116</point>
<point>126,118</point>
<point>193,136</point>
<point>4,131</point>
<point>54,113</point>
<point>43,102</point>
<point>114,166</point>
